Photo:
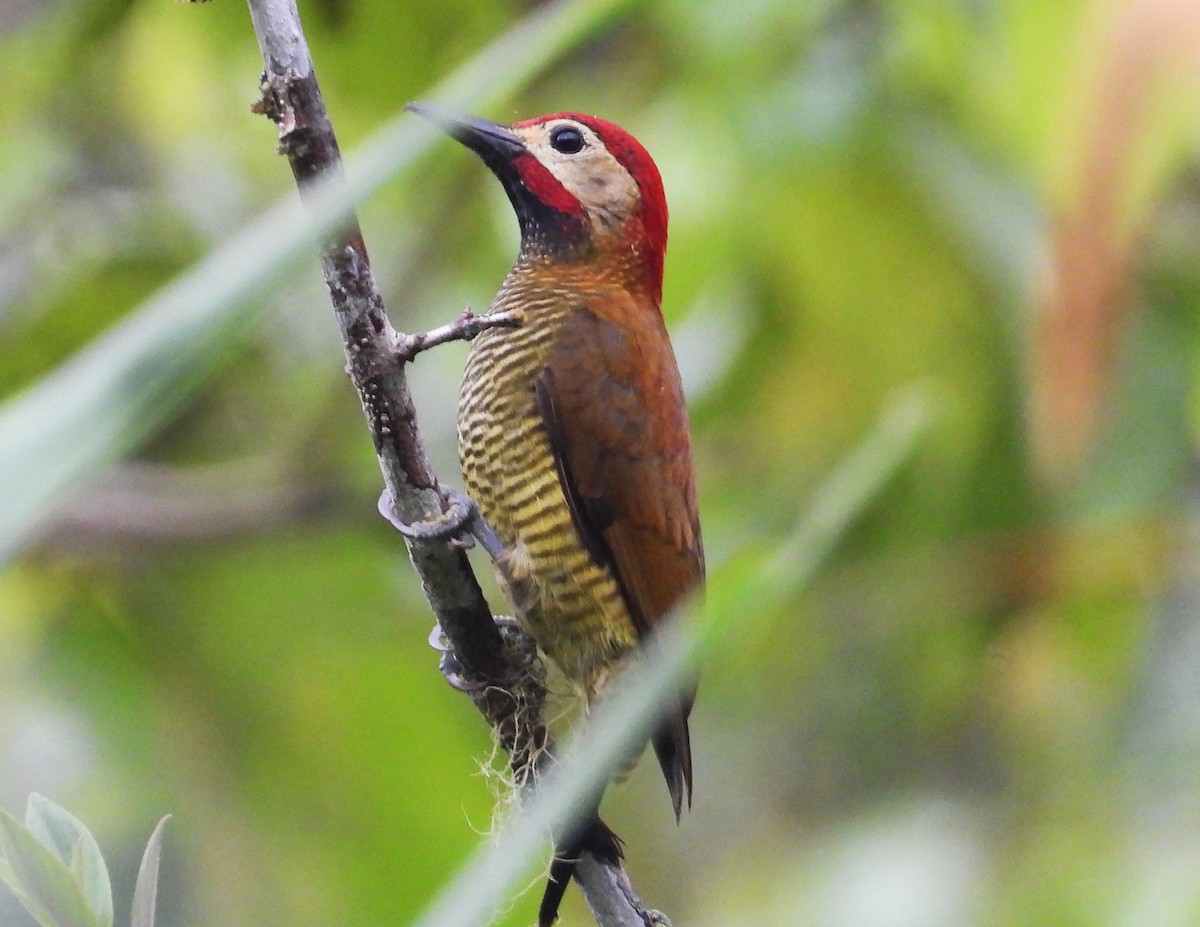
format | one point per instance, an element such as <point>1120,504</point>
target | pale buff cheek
<point>599,181</point>
<point>609,199</point>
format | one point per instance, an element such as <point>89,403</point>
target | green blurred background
<point>984,710</point>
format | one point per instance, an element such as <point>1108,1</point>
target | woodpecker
<point>572,428</point>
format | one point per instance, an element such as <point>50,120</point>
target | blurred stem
<point>1146,62</point>
<point>495,668</point>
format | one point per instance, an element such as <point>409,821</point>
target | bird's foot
<point>451,668</point>
<point>449,663</point>
<point>444,527</point>
<point>460,523</point>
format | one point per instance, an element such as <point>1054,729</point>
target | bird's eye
<point>567,139</point>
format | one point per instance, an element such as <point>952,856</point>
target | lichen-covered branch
<point>494,667</point>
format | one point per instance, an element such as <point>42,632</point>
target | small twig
<point>464,328</point>
<point>137,503</point>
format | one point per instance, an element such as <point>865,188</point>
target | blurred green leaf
<point>145,892</point>
<point>73,844</point>
<point>63,430</point>
<point>57,829</point>
<point>40,880</point>
<point>90,871</point>
<point>862,195</point>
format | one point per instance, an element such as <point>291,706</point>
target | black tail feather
<point>673,747</point>
<point>593,836</point>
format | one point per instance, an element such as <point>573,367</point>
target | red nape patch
<point>545,186</point>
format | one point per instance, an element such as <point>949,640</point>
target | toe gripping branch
<point>451,667</point>
<point>460,523</point>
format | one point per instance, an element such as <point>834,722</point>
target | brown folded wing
<point>613,407</point>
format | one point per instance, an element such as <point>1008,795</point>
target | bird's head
<point>580,186</point>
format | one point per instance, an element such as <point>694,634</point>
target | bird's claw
<point>461,524</point>
<point>451,668</point>
<point>460,511</point>
<point>438,639</point>
<point>449,664</point>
